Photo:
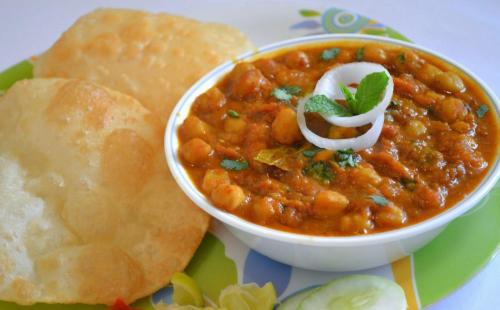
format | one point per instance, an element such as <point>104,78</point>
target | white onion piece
<point>328,85</point>
<point>364,141</point>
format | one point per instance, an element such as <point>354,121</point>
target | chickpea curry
<point>243,147</point>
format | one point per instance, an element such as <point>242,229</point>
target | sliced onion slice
<point>366,140</point>
<point>347,74</point>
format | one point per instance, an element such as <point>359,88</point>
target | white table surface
<point>466,31</point>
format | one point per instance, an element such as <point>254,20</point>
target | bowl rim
<point>182,108</point>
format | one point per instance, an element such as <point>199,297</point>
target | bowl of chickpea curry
<point>336,152</point>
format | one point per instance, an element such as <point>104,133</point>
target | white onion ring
<point>348,74</point>
<point>366,140</point>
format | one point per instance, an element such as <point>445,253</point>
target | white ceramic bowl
<point>311,252</point>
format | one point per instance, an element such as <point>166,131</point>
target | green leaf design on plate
<point>211,268</point>
<point>385,32</point>
<point>459,252</point>
<point>23,70</point>
<point>309,13</point>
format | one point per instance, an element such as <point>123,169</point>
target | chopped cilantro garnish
<point>325,106</point>
<point>235,165</point>
<point>360,54</point>
<point>347,158</point>
<point>409,184</point>
<point>233,114</point>
<point>311,152</point>
<point>482,110</point>
<point>330,53</point>
<point>281,94</point>
<point>319,170</point>
<point>401,58</point>
<point>293,90</point>
<point>380,200</point>
<point>285,93</point>
<point>394,104</point>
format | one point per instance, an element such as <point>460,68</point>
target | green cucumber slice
<point>358,292</point>
<point>293,302</point>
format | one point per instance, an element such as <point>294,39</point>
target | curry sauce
<point>242,147</point>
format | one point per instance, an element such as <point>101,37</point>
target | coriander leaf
<point>330,53</point>
<point>380,200</point>
<point>234,165</point>
<point>325,106</point>
<point>482,110</point>
<point>285,93</point>
<point>360,54</point>
<point>401,58</point>
<point>347,158</point>
<point>394,104</point>
<point>281,94</point>
<point>233,114</point>
<point>319,170</point>
<point>409,184</point>
<point>311,152</point>
<point>292,90</point>
<point>349,97</point>
<point>369,91</point>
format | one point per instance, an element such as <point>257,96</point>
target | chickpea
<point>295,77</point>
<point>427,198</point>
<point>449,82</point>
<point>428,73</point>
<point>269,67</point>
<point>264,209</point>
<point>428,98</point>
<point>214,178</point>
<point>291,217</point>
<point>450,109</point>
<point>356,222</point>
<point>461,126</point>
<point>210,101</point>
<point>323,155</point>
<point>390,215</point>
<point>248,82</point>
<point>228,196</point>
<point>329,203</point>
<point>345,56</point>
<point>375,53</point>
<point>346,223</point>
<point>411,61</point>
<point>285,129</point>
<point>193,127</point>
<point>196,151</point>
<point>297,60</point>
<point>365,174</point>
<point>416,128</point>
<point>234,125</point>
<point>336,132</point>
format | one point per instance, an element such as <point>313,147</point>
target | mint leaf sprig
<point>325,106</point>
<point>367,96</point>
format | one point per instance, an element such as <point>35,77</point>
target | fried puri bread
<point>152,57</point>
<point>88,210</point>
